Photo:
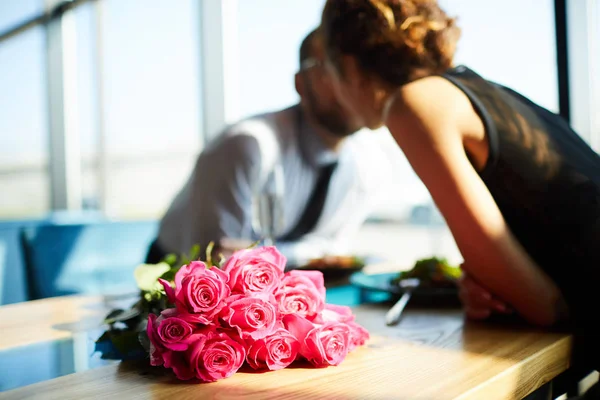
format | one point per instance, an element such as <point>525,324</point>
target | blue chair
<point>94,258</point>
<point>13,279</point>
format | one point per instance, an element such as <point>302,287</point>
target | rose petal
<point>316,277</point>
<point>156,351</point>
<point>272,255</point>
<point>168,290</point>
<point>297,326</point>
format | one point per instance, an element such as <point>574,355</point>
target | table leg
<point>544,392</point>
<point>568,382</point>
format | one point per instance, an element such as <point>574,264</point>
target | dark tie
<point>314,207</point>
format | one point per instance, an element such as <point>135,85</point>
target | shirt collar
<point>313,148</point>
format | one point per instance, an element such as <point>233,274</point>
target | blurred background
<point>147,82</point>
<point>105,104</point>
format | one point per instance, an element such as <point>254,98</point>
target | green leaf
<point>194,252</point>
<point>222,260</point>
<point>113,314</point>
<point>148,297</point>
<point>209,250</point>
<point>144,340</point>
<point>122,316</point>
<point>146,276</point>
<point>125,341</point>
<point>183,259</point>
<point>170,259</point>
<point>105,336</point>
<point>169,276</point>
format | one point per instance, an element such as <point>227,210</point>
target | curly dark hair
<point>397,41</point>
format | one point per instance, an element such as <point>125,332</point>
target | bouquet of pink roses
<point>216,319</point>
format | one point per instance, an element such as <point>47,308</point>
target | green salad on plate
<point>432,272</point>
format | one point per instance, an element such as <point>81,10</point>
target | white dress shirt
<point>216,201</point>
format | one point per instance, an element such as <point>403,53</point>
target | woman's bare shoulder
<point>434,96</point>
<point>432,104</point>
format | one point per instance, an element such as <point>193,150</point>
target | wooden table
<point>429,355</point>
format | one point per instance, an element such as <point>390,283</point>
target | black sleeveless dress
<point>546,181</point>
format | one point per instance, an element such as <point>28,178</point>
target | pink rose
<point>332,340</point>
<point>334,312</point>
<point>200,292</point>
<point>321,345</point>
<point>173,332</point>
<point>358,335</point>
<point>343,314</point>
<point>302,293</point>
<point>257,270</point>
<point>162,355</point>
<point>216,356</point>
<point>253,317</point>
<point>273,352</point>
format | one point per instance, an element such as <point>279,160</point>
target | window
<point>152,110</point>
<point>87,105</point>
<point>148,118</point>
<point>269,36</point>
<point>511,42</point>
<point>13,13</point>
<point>24,182</point>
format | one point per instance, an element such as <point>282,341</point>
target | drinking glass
<point>267,207</point>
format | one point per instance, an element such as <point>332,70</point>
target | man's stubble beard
<point>330,120</point>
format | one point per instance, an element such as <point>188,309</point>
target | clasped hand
<point>479,303</point>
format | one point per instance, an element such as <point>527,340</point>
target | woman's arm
<point>424,121</point>
<point>477,301</point>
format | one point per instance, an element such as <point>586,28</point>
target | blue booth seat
<point>13,280</point>
<point>91,258</point>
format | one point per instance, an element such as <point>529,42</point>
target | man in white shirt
<point>326,184</point>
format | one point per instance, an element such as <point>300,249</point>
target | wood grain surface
<point>50,319</point>
<point>431,354</point>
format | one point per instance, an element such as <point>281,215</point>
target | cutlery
<point>393,315</point>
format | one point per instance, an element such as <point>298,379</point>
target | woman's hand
<point>478,302</point>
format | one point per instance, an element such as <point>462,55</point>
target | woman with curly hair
<point>518,188</point>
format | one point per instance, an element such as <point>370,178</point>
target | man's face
<point>319,98</point>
